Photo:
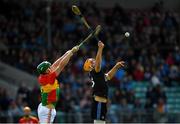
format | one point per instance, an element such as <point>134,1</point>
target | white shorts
<point>45,114</point>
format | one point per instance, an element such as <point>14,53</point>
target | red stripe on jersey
<point>47,78</point>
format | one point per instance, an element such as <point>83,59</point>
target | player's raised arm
<point>99,56</point>
<point>112,72</point>
<point>64,61</point>
<point>58,61</point>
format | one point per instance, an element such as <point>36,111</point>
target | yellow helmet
<point>88,65</point>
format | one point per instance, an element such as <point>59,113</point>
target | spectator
<point>138,104</point>
<point>15,111</point>
<point>155,79</point>
<point>4,99</point>
<point>139,73</point>
<point>148,105</point>
<point>160,106</point>
<point>4,105</point>
<point>155,94</point>
<point>24,93</point>
<point>147,74</point>
<point>28,118</point>
<point>119,95</point>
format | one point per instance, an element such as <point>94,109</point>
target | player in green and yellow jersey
<point>49,85</point>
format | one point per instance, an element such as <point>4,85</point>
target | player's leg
<point>98,112</point>
<point>46,115</point>
<point>42,114</point>
<point>53,115</point>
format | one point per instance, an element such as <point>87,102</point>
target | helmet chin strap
<point>91,67</point>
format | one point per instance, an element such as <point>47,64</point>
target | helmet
<point>88,65</point>
<point>43,66</point>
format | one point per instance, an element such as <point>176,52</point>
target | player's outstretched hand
<point>100,44</point>
<point>120,64</point>
<point>75,49</point>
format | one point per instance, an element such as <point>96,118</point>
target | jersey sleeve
<point>47,79</point>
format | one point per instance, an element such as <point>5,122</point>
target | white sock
<point>99,122</point>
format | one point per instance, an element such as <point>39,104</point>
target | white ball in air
<point>127,34</point>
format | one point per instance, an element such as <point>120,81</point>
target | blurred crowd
<point>152,52</point>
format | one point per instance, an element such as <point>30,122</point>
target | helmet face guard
<point>43,66</point>
<point>88,65</point>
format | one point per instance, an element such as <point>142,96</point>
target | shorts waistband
<point>100,99</point>
<point>50,106</point>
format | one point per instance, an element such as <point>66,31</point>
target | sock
<point>99,122</point>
